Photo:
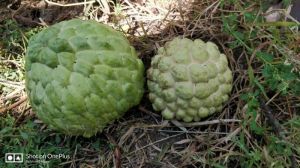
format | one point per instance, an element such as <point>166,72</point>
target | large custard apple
<point>189,80</point>
<point>81,76</point>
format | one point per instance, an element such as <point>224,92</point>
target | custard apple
<point>81,76</point>
<point>188,80</point>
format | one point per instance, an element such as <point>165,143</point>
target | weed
<point>262,56</point>
<point>268,71</point>
<point>41,147</point>
<point>12,51</point>
<point>29,140</point>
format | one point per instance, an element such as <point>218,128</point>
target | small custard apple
<point>81,76</point>
<point>188,80</point>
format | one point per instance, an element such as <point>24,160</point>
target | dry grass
<point>142,138</point>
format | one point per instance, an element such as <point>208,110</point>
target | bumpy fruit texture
<point>81,76</point>
<point>189,80</point>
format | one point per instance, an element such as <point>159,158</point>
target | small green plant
<point>30,141</point>
<point>13,44</point>
<point>282,78</point>
<point>42,147</point>
<point>278,72</point>
<point>264,46</point>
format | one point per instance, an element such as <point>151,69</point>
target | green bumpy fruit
<point>189,80</point>
<point>81,76</point>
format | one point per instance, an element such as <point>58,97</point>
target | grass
<point>264,57</point>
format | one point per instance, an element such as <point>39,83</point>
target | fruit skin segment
<point>189,80</point>
<point>81,76</point>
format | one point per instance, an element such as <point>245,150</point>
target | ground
<point>258,127</point>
